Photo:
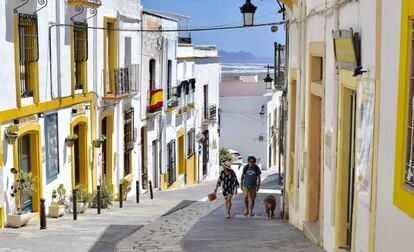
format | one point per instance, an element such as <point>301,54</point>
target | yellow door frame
<point>83,151</point>
<point>347,84</point>
<point>181,149</point>
<point>2,208</point>
<point>315,90</point>
<point>109,115</point>
<point>33,130</point>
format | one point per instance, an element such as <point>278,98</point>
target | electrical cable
<point>208,28</point>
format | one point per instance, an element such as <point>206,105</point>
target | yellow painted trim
<point>83,150</point>
<point>33,69</point>
<point>181,164</point>
<point>72,60</point>
<point>112,61</point>
<point>317,89</point>
<point>34,130</point>
<point>109,115</point>
<point>292,134</point>
<point>403,197</point>
<point>92,118</point>
<point>191,171</point>
<point>289,3</point>
<point>86,3</point>
<point>16,61</point>
<point>347,84</point>
<point>10,114</point>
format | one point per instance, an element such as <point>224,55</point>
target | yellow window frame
<point>403,194</point>
<point>33,68</point>
<point>81,66</point>
<point>112,61</point>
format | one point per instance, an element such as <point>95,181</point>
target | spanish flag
<point>156,101</point>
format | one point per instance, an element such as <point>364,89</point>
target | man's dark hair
<point>251,158</point>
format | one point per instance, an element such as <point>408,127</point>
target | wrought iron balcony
<point>210,114</point>
<point>87,3</point>
<point>121,82</point>
<point>172,102</point>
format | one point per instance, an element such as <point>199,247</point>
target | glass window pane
<point>52,146</point>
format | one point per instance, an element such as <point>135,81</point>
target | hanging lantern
<point>248,10</point>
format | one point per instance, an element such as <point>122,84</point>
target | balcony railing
<point>125,81</point>
<point>210,114</point>
<point>87,3</point>
<point>173,101</point>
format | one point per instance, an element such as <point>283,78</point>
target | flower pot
<point>97,143</point>
<point>11,138</point>
<point>81,207</point>
<point>56,211</point>
<point>69,142</point>
<point>18,220</point>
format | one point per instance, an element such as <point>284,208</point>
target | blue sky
<point>258,41</point>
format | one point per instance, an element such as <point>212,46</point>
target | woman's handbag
<point>212,196</point>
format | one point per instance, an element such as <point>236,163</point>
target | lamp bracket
<point>79,9</point>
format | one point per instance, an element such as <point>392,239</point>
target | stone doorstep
<point>312,232</point>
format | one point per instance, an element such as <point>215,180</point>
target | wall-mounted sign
<point>26,119</point>
<point>79,109</point>
<point>347,49</point>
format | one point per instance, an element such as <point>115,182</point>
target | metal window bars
<point>279,66</point>
<point>29,52</point>
<point>211,112</point>
<point>409,167</point>
<point>171,169</point>
<point>80,39</point>
<point>126,81</point>
<point>128,129</point>
<point>173,98</point>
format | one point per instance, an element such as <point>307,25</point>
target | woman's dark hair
<point>251,158</point>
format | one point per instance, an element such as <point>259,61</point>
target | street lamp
<point>248,10</point>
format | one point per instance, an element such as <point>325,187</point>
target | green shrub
<point>106,197</point>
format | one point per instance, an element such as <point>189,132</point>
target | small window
<point>128,138</point>
<point>29,53</point>
<point>80,47</point>
<point>152,74</point>
<point>52,145</point>
<point>190,143</point>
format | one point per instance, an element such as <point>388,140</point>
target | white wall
<point>241,125</point>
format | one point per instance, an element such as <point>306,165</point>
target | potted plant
<point>11,133</point>
<point>70,140</point>
<point>24,185</point>
<point>106,196</point>
<point>98,142</point>
<point>126,187</point>
<point>83,198</point>
<point>58,206</point>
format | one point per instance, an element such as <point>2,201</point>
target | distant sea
<point>244,68</point>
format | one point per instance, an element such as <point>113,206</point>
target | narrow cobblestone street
<point>202,227</point>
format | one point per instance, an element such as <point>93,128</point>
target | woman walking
<point>228,181</point>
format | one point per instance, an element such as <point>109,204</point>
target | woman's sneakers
<point>228,216</point>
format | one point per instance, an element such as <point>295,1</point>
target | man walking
<point>250,183</point>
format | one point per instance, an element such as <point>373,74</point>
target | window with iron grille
<point>29,53</point>
<point>171,162</point>
<point>128,129</point>
<point>191,143</point>
<point>80,47</point>
<point>409,167</point>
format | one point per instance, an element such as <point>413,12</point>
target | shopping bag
<point>212,196</point>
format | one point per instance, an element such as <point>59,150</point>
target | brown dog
<point>270,205</point>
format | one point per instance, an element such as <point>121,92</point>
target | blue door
<point>25,166</point>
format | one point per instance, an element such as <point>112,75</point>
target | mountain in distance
<point>242,57</point>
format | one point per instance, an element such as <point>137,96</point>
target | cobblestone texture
<point>166,233</point>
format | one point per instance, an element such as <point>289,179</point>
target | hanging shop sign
<point>347,49</point>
